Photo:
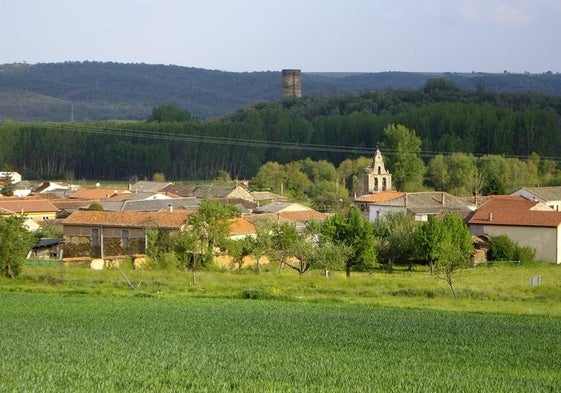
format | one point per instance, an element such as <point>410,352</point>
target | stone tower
<point>291,83</point>
<point>376,177</point>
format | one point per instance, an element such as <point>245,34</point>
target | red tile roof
<point>169,220</point>
<point>302,216</point>
<point>382,196</point>
<point>96,193</point>
<point>241,226</point>
<point>513,210</point>
<point>28,206</point>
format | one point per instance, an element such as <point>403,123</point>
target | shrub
<point>502,248</point>
<point>166,261</point>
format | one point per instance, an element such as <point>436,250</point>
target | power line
<point>258,143</point>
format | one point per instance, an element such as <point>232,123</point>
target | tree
<point>403,148</point>
<point>456,249</point>
<point>394,232</point>
<point>169,113</point>
<point>428,238</point>
<point>208,227</point>
<point>16,242</point>
<point>451,258</point>
<point>350,229</point>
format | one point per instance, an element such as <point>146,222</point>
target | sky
<point>270,35</point>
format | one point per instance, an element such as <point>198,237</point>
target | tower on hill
<point>291,83</point>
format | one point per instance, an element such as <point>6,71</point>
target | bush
<point>502,248</point>
<point>166,261</point>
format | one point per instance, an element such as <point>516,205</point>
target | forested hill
<point>86,91</point>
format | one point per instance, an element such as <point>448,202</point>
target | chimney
<point>490,216</point>
<point>170,207</point>
<point>443,199</point>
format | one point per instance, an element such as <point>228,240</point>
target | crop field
<point>69,342</point>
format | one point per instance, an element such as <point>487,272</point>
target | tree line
<point>446,119</point>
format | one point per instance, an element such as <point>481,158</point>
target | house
<point>294,213</point>
<point>419,205</point>
<point>264,197</point>
<point>13,177</point>
<point>36,209</point>
<point>222,192</point>
<point>51,187</point>
<point>551,196</point>
<point>101,233</point>
<point>46,248</point>
<point>530,223</point>
<point>241,227</point>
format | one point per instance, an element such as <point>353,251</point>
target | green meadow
<point>77,330</point>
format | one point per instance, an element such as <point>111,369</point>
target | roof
<point>148,186</point>
<point>544,193</point>
<point>96,193</point>
<point>277,207</point>
<point>241,226</point>
<point>382,196</point>
<point>27,206</point>
<point>514,210</point>
<point>267,196</point>
<point>47,242</point>
<point>216,191</point>
<point>167,220</point>
<point>429,202</point>
<point>303,216</point>
<point>139,196</point>
<point>153,205</point>
<point>181,190</point>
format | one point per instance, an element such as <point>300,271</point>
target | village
<point>105,225</point>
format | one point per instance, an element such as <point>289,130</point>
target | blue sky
<point>313,35</point>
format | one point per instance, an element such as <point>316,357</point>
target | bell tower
<point>376,178</point>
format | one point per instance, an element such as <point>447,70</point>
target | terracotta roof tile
<point>96,193</point>
<point>513,210</point>
<point>241,226</point>
<point>168,220</point>
<point>382,196</point>
<point>28,205</point>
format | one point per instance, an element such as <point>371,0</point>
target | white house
<point>529,223</point>
<point>551,196</point>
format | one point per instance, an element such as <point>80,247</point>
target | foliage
<point>159,244</point>
<point>395,235</point>
<point>404,146</point>
<point>169,113</point>
<point>16,242</point>
<point>96,206</point>
<point>208,228</point>
<point>351,230</point>
<point>502,248</point>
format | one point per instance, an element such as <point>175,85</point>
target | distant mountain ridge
<point>91,91</point>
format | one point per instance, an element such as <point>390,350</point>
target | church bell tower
<point>376,177</point>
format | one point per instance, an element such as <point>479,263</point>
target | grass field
<point>79,330</point>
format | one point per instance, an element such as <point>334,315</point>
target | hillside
<point>82,91</point>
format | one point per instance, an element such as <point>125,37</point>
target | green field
<point>76,330</point>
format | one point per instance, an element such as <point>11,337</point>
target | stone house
<point>100,234</point>
<point>419,205</point>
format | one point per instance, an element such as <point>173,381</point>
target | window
<point>125,238</point>
<point>95,237</point>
